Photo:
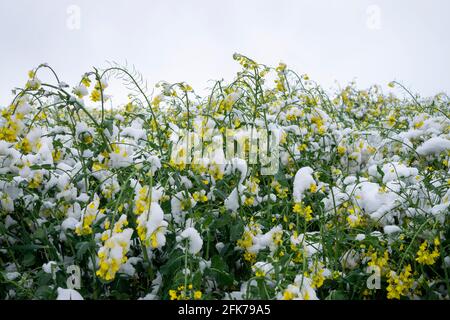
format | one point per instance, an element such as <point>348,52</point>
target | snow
<point>302,182</point>
<point>241,166</point>
<point>9,221</point>
<point>69,224</point>
<point>447,261</point>
<point>435,146</point>
<point>12,275</point>
<point>50,267</point>
<point>391,229</point>
<point>262,241</point>
<point>393,171</point>
<point>195,241</point>
<point>360,237</point>
<point>155,224</point>
<point>372,200</point>
<point>232,201</point>
<point>135,130</point>
<point>128,267</point>
<point>82,127</point>
<point>263,266</point>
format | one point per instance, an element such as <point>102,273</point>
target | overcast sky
<point>193,41</point>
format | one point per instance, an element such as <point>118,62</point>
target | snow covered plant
<point>358,207</point>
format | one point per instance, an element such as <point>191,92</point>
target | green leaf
<point>223,220</point>
<point>42,166</point>
<point>2,228</point>
<point>82,248</point>
<point>236,230</point>
<point>219,269</point>
<point>218,263</point>
<point>174,262</point>
<point>40,234</point>
<point>380,172</point>
<point>44,278</point>
<point>44,292</point>
<point>29,259</point>
<point>223,278</point>
<point>337,295</point>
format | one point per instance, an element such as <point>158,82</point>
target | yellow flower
<point>142,202</point>
<point>197,295</point>
<point>281,192</point>
<point>95,95</point>
<point>425,256</point>
<point>251,257</point>
<point>303,211</point>
<point>281,67</point>
<point>185,87</point>
<point>318,279</point>
<point>56,154</point>
<point>246,240</point>
<point>380,262</point>
<point>399,285</point>
<point>86,81</point>
<point>260,273</point>
<point>418,125</point>
<point>105,236</point>
<point>391,120</point>
<point>36,181</point>
<point>173,294</point>
<point>199,197</point>
<point>288,295</point>
<point>157,100</point>
<point>154,240</point>
<point>24,145</point>
<point>249,201</point>
<point>354,220</point>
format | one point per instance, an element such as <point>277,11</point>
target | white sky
<point>193,41</point>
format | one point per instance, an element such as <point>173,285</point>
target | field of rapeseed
<point>266,187</point>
